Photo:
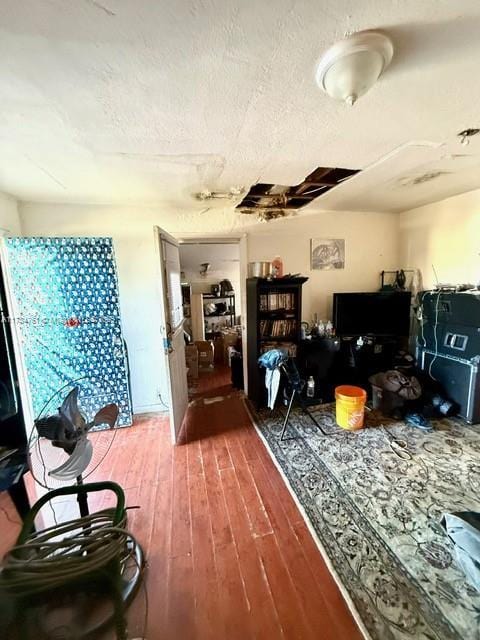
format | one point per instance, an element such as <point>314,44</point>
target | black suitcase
<point>459,378</point>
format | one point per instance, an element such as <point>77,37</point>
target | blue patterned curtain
<point>66,295</point>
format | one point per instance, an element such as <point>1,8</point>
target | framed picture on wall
<point>327,254</point>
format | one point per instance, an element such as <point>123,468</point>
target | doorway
<point>212,274</point>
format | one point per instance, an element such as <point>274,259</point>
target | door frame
<point>242,241</point>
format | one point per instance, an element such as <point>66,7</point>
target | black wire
<point>162,402</point>
<point>40,453</point>
<point>53,512</point>
<point>44,467</point>
<point>421,320</point>
<point>435,335</point>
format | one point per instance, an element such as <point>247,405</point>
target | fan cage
<point>44,456</point>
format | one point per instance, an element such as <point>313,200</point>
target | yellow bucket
<point>350,407</point>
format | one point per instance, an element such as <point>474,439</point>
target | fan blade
<point>76,463</point>
<point>69,409</point>
<point>49,427</point>
<point>107,415</point>
<point>56,428</point>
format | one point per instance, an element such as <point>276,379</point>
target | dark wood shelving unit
<point>229,314</point>
<point>261,292</point>
<point>211,296</point>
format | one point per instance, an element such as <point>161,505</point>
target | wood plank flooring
<point>229,555</point>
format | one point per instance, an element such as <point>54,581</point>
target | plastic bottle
<point>314,329</point>
<point>277,267</point>
<point>310,387</point>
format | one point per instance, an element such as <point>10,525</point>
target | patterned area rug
<point>377,516</point>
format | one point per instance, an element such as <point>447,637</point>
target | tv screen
<point>385,313</point>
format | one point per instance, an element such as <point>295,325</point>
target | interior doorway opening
<point>214,308</point>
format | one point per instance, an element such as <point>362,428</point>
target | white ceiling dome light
<point>352,66</point>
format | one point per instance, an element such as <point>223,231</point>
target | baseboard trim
<point>149,409</point>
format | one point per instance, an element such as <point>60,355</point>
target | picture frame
<point>327,254</point>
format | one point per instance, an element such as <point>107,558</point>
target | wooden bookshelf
<point>274,315</point>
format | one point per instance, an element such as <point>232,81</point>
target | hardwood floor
<point>229,555</point>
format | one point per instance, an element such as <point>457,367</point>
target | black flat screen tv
<point>385,313</point>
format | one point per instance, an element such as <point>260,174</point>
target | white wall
<point>445,234</point>
<point>371,241</point>
<point>9,216</point>
<point>132,232</point>
<point>371,245</point>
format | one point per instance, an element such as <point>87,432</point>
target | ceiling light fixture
<point>352,66</point>
<point>466,134</point>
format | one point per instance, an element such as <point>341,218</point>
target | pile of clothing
<point>272,361</point>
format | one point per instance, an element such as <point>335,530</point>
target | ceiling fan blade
<point>76,464</point>
<point>107,415</point>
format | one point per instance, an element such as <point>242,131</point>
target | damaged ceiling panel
<point>262,196</point>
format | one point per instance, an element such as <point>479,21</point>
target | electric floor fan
<point>62,448</point>
<point>65,447</point>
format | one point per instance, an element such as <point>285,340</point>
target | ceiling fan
<point>205,194</point>
<point>209,172</point>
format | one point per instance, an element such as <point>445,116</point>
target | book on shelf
<point>277,301</point>
<point>278,328</point>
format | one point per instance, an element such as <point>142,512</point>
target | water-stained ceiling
<point>136,101</point>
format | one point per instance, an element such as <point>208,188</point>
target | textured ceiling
<point>136,101</point>
<point>223,258</point>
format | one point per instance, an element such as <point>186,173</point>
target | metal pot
<point>259,269</point>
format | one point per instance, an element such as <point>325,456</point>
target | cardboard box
<point>205,353</point>
<point>192,369</point>
<point>191,358</point>
<point>191,352</point>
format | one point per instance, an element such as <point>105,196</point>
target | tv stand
<point>366,355</point>
<point>341,360</point>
